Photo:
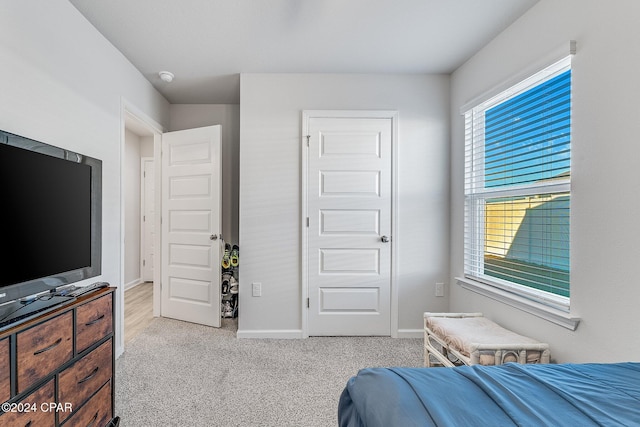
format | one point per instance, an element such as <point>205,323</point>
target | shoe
<point>225,287</point>
<point>226,257</point>
<point>227,309</point>
<point>235,309</point>
<point>235,255</point>
<point>233,287</point>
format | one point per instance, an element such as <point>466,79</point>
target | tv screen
<point>50,217</point>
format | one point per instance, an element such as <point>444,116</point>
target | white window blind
<point>517,187</point>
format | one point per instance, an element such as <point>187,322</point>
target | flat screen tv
<point>50,217</point>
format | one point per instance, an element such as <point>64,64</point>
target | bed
<point>505,395</point>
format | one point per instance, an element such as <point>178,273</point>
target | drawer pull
<point>93,420</point>
<point>93,322</point>
<point>91,375</point>
<point>52,346</point>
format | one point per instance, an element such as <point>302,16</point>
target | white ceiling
<point>207,43</point>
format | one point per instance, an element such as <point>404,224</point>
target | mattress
<point>505,395</point>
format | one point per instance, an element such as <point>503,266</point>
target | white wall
<point>63,83</point>
<point>187,116</point>
<point>605,152</point>
<point>270,167</point>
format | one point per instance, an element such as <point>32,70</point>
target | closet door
<point>349,203</point>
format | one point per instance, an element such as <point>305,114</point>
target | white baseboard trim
<point>297,333</point>
<point>410,333</point>
<point>277,334</point>
<point>133,284</point>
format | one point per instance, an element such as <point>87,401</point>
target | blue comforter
<point>507,395</point>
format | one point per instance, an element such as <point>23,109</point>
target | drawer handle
<point>93,322</point>
<point>91,375</point>
<point>51,347</point>
<point>93,420</point>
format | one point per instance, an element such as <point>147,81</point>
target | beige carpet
<point>180,374</point>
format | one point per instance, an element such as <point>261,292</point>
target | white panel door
<point>148,216</point>
<point>349,207</point>
<point>191,191</point>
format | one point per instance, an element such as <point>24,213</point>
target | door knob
<point>213,237</point>
<point>385,239</point>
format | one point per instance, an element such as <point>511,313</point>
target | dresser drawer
<point>93,322</point>
<point>35,409</point>
<point>85,377</point>
<point>43,348</point>
<point>5,377</point>
<point>96,412</point>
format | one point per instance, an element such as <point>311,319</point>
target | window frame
<point>552,306</point>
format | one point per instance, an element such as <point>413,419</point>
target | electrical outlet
<point>257,289</point>
<point>439,289</point>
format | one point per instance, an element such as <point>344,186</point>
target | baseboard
<point>297,334</point>
<point>277,334</point>
<point>410,333</point>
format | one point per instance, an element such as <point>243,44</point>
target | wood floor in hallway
<point>138,309</point>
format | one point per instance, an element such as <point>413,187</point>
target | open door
<point>191,224</point>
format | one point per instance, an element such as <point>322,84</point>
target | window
<point>517,188</point>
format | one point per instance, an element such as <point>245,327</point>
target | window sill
<point>545,312</point>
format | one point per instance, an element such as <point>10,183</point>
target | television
<point>50,218</point>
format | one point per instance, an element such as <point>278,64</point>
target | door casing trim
<point>304,244</point>
<point>143,210</point>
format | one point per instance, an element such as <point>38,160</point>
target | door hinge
<point>307,302</point>
<point>144,218</point>
<point>307,221</point>
<point>308,137</point>
<point>144,262</point>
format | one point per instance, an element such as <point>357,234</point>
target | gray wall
<point>270,193</point>
<point>131,192</point>
<point>64,84</point>
<point>605,152</point>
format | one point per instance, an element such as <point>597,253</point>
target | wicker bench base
<point>437,351</point>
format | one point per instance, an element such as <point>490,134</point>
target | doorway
<point>142,137</point>
<point>140,292</point>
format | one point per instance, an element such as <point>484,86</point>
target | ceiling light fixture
<point>166,76</point>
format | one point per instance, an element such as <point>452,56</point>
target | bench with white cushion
<point>454,339</point>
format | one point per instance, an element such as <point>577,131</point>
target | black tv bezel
<point>21,290</point>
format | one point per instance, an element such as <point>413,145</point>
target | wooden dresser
<point>58,369</point>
